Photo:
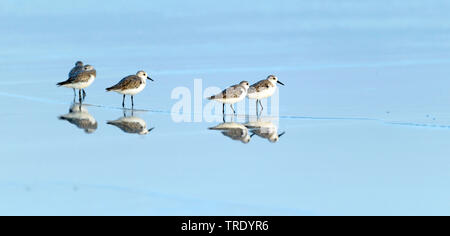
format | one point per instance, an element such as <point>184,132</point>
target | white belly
<point>263,94</point>
<point>230,125</point>
<point>80,116</point>
<point>132,92</point>
<point>134,119</point>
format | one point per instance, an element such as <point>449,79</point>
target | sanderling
<point>263,89</point>
<point>232,95</point>
<point>131,125</point>
<point>131,85</point>
<point>81,79</point>
<point>79,116</point>
<point>265,129</point>
<point>234,131</point>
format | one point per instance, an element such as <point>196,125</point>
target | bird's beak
<point>149,78</point>
<point>279,136</point>
<point>280,83</point>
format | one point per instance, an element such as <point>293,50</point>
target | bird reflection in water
<point>235,131</point>
<point>79,116</point>
<point>265,129</point>
<point>131,124</point>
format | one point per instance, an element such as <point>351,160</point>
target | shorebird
<point>263,89</point>
<point>131,85</point>
<point>235,131</point>
<point>80,78</point>
<point>265,129</point>
<point>79,116</point>
<point>232,95</point>
<point>131,125</point>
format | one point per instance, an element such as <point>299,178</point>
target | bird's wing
<point>262,133</point>
<point>129,82</point>
<point>128,127</point>
<point>80,122</point>
<point>83,76</point>
<point>87,124</point>
<point>260,86</point>
<point>235,134</point>
<point>231,92</point>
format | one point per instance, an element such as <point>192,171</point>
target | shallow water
<point>365,110</point>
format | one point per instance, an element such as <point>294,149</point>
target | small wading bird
<point>80,77</point>
<point>79,116</point>
<point>131,85</point>
<point>263,89</point>
<point>131,125</point>
<point>235,131</point>
<point>266,130</point>
<point>232,95</point>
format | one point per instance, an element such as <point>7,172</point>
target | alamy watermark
<point>191,105</point>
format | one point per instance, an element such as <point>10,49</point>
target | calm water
<point>366,109</point>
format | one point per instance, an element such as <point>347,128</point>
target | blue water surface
<point>366,109</point>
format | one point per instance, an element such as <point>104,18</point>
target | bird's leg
<point>223,113</point>
<point>257,110</point>
<point>132,102</point>
<point>79,95</point>
<point>74,93</point>
<point>84,94</point>
<point>262,108</point>
<point>232,108</point>
<point>123,101</point>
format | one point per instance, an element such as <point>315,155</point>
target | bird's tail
<point>62,83</point>
<point>109,89</point>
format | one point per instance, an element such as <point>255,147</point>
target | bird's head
<point>143,75</point>
<point>274,80</point>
